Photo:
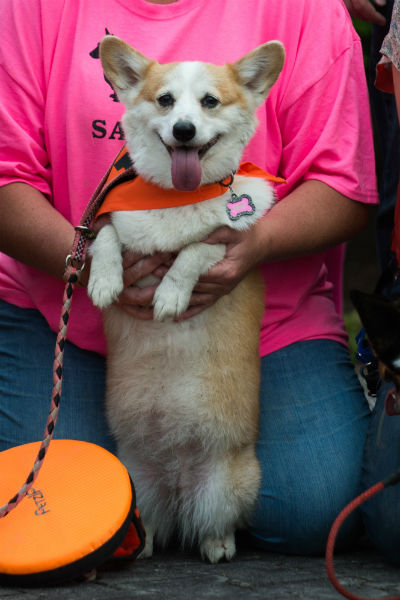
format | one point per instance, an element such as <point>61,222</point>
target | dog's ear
<point>124,66</point>
<point>381,320</point>
<point>259,69</point>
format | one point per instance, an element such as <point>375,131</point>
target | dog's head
<point>186,124</point>
<point>381,320</point>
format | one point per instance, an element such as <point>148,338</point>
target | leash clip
<point>86,231</point>
<point>73,269</point>
<point>73,264</point>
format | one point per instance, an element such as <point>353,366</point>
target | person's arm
<point>32,231</point>
<point>365,10</point>
<point>37,235</point>
<point>312,218</point>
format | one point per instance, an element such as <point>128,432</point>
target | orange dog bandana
<point>138,194</point>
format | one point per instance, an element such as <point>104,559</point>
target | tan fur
<point>226,81</point>
<point>155,76</point>
<point>233,350</point>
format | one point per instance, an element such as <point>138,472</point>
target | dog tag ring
<point>238,206</point>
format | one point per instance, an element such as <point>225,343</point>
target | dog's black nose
<point>184,131</point>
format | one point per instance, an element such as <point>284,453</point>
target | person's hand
<point>364,10</point>
<point>240,257</point>
<point>220,280</point>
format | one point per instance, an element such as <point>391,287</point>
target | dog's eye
<point>209,101</point>
<point>165,100</point>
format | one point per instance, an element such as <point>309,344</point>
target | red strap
<point>396,228</point>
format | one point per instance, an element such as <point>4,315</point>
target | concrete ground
<point>250,576</point>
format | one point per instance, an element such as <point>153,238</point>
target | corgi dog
<point>182,395</point>
<point>381,320</point>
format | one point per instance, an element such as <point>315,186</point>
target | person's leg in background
<point>381,513</point>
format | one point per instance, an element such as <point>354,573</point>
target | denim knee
<point>313,423</point>
<point>301,524</point>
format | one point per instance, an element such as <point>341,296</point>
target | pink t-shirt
<point>60,127</point>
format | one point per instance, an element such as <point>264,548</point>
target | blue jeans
<point>381,513</point>
<point>312,429</point>
<point>313,424</point>
<point>26,373</point>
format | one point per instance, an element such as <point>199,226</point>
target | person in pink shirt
<point>59,132</point>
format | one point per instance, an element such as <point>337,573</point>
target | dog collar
<point>134,193</point>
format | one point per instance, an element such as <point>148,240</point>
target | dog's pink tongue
<point>185,169</point>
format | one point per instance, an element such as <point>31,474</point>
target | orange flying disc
<point>79,511</point>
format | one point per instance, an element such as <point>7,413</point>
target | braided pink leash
<point>55,400</point>
<point>74,265</point>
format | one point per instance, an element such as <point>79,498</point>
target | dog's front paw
<point>170,300</point>
<point>104,290</point>
<point>216,549</point>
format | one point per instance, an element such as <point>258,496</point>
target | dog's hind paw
<point>216,549</point>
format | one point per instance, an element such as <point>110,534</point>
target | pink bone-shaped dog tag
<point>240,206</point>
